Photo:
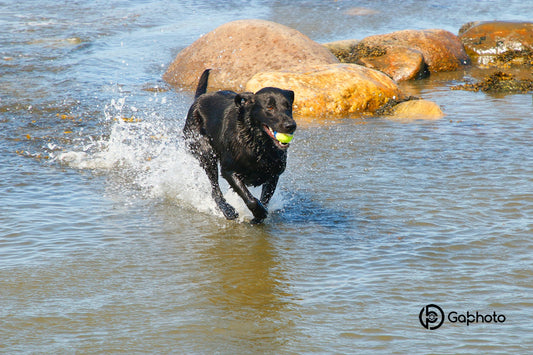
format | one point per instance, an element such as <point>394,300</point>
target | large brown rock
<point>237,50</point>
<point>336,89</point>
<point>400,63</point>
<point>442,50</point>
<point>499,43</point>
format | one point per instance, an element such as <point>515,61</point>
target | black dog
<point>238,130</point>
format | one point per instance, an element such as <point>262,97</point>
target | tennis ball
<point>283,137</point>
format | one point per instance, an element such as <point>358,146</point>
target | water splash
<point>147,152</point>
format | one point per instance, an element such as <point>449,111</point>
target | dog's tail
<point>202,84</point>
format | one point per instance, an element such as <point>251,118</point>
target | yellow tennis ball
<point>284,137</point>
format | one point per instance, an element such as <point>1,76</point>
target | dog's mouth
<point>281,140</point>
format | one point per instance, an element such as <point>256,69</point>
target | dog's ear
<point>243,98</point>
<point>289,94</point>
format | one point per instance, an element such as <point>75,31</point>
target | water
<point>109,242</point>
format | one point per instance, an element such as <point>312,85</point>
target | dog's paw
<point>256,221</point>
<point>228,210</point>
<point>259,211</point>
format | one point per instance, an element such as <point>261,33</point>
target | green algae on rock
<point>356,51</point>
<point>499,82</point>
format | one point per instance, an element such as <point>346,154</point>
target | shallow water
<point>109,241</point>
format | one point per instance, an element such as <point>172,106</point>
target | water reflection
<point>237,290</point>
<point>248,288</point>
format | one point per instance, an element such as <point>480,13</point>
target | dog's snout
<point>290,126</point>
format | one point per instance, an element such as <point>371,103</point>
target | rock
<point>336,89</point>
<point>237,50</point>
<point>499,43</point>
<point>499,82</point>
<point>442,50</point>
<point>417,109</point>
<point>400,63</point>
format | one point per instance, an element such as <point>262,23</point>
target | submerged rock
<point>417,109</point>
<point>400,63</point>
<point>499,82</point>
<point>499,43</point>
<point>237,50</point>
<point>410,108</point>
<point>336,89</point>
<point>442,50</point>
<point>360,11</point>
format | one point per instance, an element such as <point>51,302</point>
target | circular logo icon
<point>431,316</point>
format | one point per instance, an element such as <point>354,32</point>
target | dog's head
<point>270,111</point>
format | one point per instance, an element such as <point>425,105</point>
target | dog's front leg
<point>268,190</point>
<point>258,210</point>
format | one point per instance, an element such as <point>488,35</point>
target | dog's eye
<point>271,107</point>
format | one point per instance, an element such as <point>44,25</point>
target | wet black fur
<point>229,128</point>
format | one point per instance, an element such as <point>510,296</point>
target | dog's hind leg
<point>201,148</point>
<point>258,210</point>
<point>204,152</point>
<point>210,166</point>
